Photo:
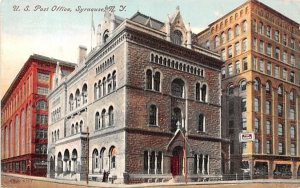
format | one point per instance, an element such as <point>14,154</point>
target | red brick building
<point>25,117</point>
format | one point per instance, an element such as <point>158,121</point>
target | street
<point>17,182</point>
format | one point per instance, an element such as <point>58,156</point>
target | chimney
<point>81,53</point>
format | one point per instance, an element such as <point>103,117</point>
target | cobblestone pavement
<point>19,182</point>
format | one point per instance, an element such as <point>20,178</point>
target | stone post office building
<point>134,102</point>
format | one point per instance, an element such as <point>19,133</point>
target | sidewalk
<point>166,184</point>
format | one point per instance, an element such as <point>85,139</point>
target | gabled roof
<point>147,21</point>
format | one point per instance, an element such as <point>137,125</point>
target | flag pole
<point>91,30</point>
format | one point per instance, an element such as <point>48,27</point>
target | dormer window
<point>177,37</point>
<point>105,36</point>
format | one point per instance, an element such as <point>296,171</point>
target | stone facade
<point>139,101</point>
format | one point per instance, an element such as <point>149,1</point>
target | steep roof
<point>147,21</point>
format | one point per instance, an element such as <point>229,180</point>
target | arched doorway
<point>177,161</point>
<point>67,162</point>
<point>74,161</point>
<point>52,167</point>
<point>59,163</point>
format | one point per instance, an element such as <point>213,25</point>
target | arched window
<point>217,41</point>
<point>256,104</point>
<point>204,93</point>
<point>23,119</point>
<point>197,91</point>
<point>77,98</point>
<point>223,38</point>
<point>280,90</point>
<point>177,88</point>
<point>280,110</point>
<point>280,129</point>
<point>229,34</point>
<point>177,37</point>
<point>111,116</point>
<point>201,123</point>
<point>237,30</point>
<point>84,94</point>
<point>76,128</point>
<point>101,165</point>
<point>230,89</point>
<point>112,156</point>
<point>71,102</point>
<point>292,96</point>
<point>268,87</point>
<point>103,118</point>
<point>256,125</point>
<point>268,107</point>
<point>72,129</point>
<point>268,127</point>
<point>109,83</point>
<point>95,162</point>
<point>152,115</point>
<point>41,105</point>
<point>157,81</point>
<point>81,126</point>
<point>176,119</point>
<point>256,85</point>
<point>17,135</point>
<point>104,86</point>
<point>245,26</point>
<point>95,91</point>
<point>114,80</point>
<point>148,79</point>
<point>99,89</point>
<point>243,85</point>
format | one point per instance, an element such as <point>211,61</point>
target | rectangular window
<point>284,39</point>
<point>237,48</point>
<point>292,60</point>
<point>277,53</point>
<point>268,31</point>
<point>292,77</point>
<point>245,64</point>
<point>42,90</point>
<point>243,105</point>
<point>276,71</point>
<point>292,44</point>
<point>254,44</point>
<point>223,54</point>
<point>276,36</point>
<point>261,65</point>
<point>237,67</point>
<point>268,68</point>
<point>230,69</point>
<point>269,50</point>
<point>261,46</point>
<point>230,52</point>
<point>42,119</point>
<point>268,147</point>
<point>42,77</point>
<point>254,63</point>
<point>284,74</point>
<point>244,45</point>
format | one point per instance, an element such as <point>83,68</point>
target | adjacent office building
<point>24,115</point>
<point>260,86</point>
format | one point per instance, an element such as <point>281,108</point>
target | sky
<point>55,28</point>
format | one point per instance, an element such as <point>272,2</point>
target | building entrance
<point>177,161</point>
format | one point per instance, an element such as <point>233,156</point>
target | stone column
<point>64,167</point>
<point>72,166</point>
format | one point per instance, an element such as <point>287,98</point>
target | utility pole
<point>87,156</point>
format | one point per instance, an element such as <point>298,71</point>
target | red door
<point>175,165</point>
